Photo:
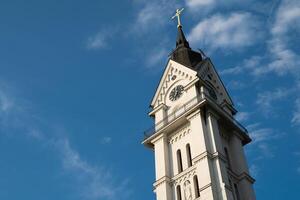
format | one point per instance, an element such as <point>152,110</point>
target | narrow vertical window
<point>196,186</point>
<point>188,155</point>
<point>237,194</point>
<point>227,157</point>
<point>178,191</point>
<point>179,161</point>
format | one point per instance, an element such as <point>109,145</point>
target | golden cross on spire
<point>177,14</point>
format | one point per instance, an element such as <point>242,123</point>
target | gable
<point>173,73</point>
<point>210,76</point>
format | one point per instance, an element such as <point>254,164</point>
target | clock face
<point>176,93</point>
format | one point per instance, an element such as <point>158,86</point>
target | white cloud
<point>156,57</point>
<point>298,170</point>
<point>248,64</point>
<point>254,170</point>
<point>280,56</point>
<point>99,41</point>
<point>195,4</point>
<point>106,140</point>
<point>154,14</point>
<point>232,70</point>
<point>261,134</point>
<point>13,113</point>
<point>36,134</point>
<point>262,141</point>
<point>204,7</point>
<point>296,114</point>
<point>297,154</point>
<point>283,59</point>
<point>6,103</point>
<point>266,99</point>
<point>236,85</point>
<point>102,39</point>
<point>287,23</point>
<point>288,16</point>
<point>149,14</point>
<point>266,150</point>
<point>95,183</point>
<point>242,116</point>
<point>226,32</point>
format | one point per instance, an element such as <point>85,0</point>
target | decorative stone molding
<point>201,157</point>
<point>180,134</point>
<point>169,80</point>
<point>212,113</point>
<point>241,176</point>
<point>205,187</point>
<point>160,106</point>
<point>203,71</point>
<point>185,175</point>
<point>183,74</point>
<point>228,187</point>
<point>158,137</point>
<point>193,115</point>
<point>224,133</point>
<point>161,181</point>
<point>206,154</point>
<point>192,83</point>
<point>219,155</point>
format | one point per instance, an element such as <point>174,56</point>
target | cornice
<point>179,134</point>
<point>193,115</point>
<point>192,83</point>
<point>241,176</point>
<point>159,137</point>
<point>210,156</point>
<point>161,181</point>
<point>166,127</point>
<point>157,108</point>
<point>205,187</point>
<point>187,173</point>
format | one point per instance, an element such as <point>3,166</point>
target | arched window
<point>179,161</point>
<point>237,192</point>
<point>188,155</point>
<point>196,186</point>
<point>227,157</point>
<point>178,191</point>
<point>211,90</point>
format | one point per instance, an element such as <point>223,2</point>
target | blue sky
<point>77,77</point>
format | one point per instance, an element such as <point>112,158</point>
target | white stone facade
<point>198,146</point>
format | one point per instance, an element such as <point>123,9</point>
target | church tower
<point>197,143</point>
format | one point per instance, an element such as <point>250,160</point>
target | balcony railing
<point>171,117</point>
<point>182,110</point>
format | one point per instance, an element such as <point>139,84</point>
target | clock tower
<point>197,143</point>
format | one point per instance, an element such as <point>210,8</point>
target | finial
<point>177,14</point>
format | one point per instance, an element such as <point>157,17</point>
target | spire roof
<point>181,40</point>
<point>183,54</point>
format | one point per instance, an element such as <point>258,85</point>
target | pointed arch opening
<point>237,194</point>
<point>178,192</point>
<point>196,186</point>
<point>227,157</point>
<point>188,155</point>
<point>179,161</point>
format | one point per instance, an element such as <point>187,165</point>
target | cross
<point>177,14</point>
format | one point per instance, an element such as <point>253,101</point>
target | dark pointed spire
<point>181,40</point>
<point>183,54</point>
